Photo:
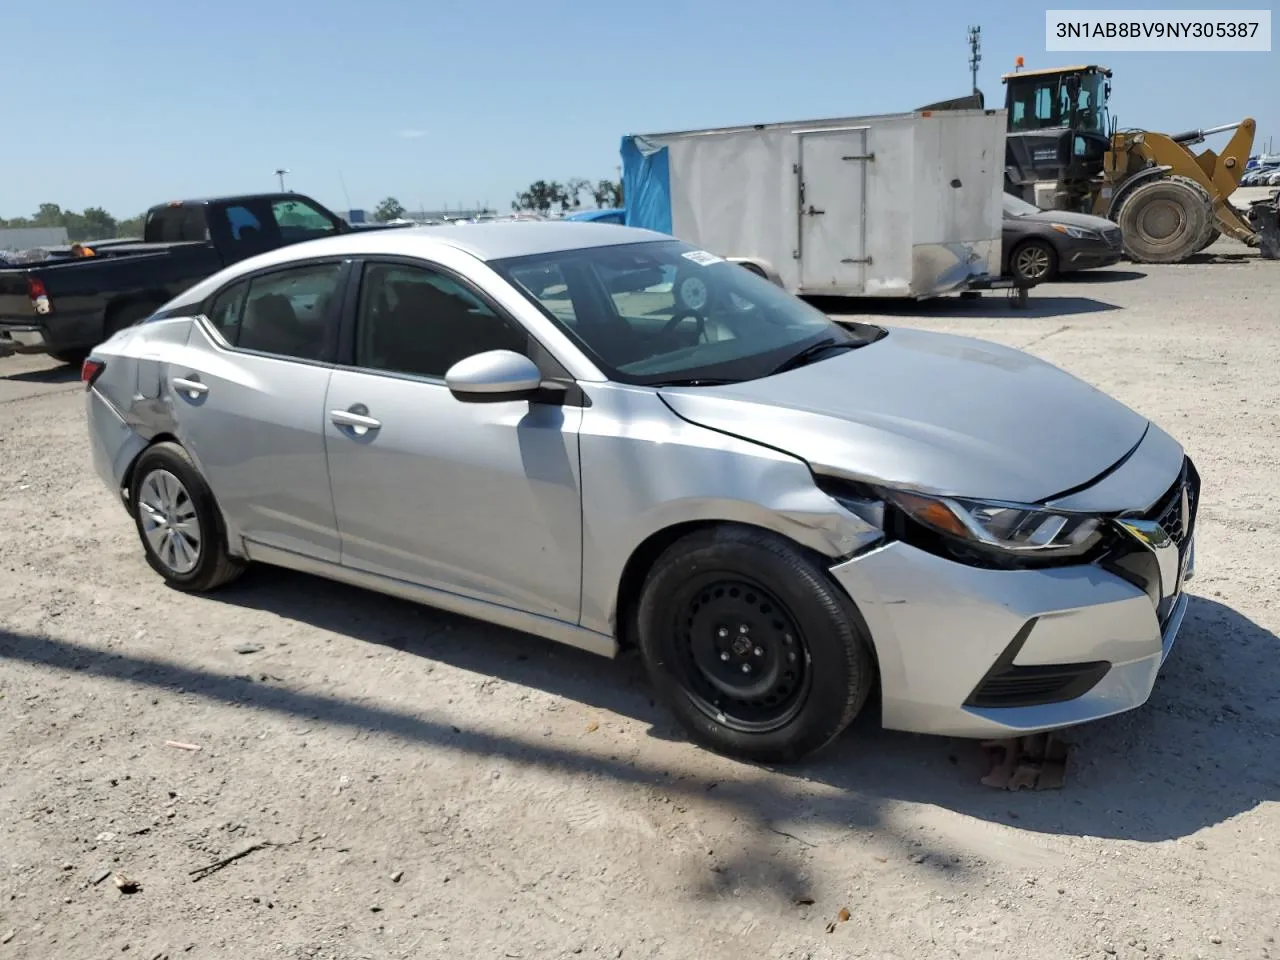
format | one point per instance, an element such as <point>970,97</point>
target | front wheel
<point>178,521</point>
<point>1034,261</point>
<point>748,642</point>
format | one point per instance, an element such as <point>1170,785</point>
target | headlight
<point>1080,233</point>
<point>1008,527</point>
<point>967,529</point>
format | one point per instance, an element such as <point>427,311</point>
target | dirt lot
<point>431,787</point>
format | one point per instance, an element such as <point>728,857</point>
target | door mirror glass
<point>494,376</point>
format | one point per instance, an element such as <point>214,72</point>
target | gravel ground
<point>429,787</point>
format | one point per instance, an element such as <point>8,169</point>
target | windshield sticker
<point>702,258</point>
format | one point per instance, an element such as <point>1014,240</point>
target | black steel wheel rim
<point>739,653</point>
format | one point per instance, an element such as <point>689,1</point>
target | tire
<point>1034,261</point>
<point>71,357</point>
<point>1165,221</point>
<point>1210,240</point>
<point>804,639</point>
<point>166,484</point>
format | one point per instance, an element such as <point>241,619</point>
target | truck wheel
<point>1165,221</point>
<point>1034,261</point>
<point>1214,235</point>
<point>752,647</point>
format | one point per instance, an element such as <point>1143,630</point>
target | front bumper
<point>971,652</point>
<point>1083,254</point>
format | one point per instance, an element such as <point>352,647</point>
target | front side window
<point>299,221</point>
<point>663,311</point>
<point>282,313</point>
<point>419,321</point>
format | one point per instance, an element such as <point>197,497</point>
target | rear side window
<point>283,313</point>
<point>175,225</point>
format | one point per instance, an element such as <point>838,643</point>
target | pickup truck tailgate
<point>15,305</point>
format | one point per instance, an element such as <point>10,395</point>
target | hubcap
<point>1033,262</point>
<point>742,657</point>
<point>1162,220</point>
<point>169,521</point>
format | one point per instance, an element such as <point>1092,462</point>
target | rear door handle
<point>358,422</point>
<point>190,386</point>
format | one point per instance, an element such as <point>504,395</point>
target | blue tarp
<point>646,184</point>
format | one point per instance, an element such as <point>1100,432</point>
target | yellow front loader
<point>1064,151</point>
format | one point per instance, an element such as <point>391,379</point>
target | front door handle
<point>815,213</point>
<point>358,422</point>
<point>190,386</point>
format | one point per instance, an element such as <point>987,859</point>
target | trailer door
<point>833,213</point>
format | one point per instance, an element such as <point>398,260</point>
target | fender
<point>1151,173</point>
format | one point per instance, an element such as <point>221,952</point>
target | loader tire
<point>1214,235</point>
<point>1166,220</point>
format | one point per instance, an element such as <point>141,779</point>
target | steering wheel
<point>680,316</point>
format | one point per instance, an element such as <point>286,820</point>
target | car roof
<point>484,241</point>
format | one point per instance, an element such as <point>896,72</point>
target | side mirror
<point>494,376</point>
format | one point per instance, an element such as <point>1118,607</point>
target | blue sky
<point>127,103</point>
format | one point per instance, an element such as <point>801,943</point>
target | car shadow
<point>1101,275</point>
<point>993,305</point>
<point>62,373</point>
<point>1188,759</point>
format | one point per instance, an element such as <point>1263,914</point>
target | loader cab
<point>1059,125</point>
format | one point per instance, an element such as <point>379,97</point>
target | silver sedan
<point>606,437</point>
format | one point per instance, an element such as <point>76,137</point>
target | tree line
<point>543,196</point>
<point>93,223</point>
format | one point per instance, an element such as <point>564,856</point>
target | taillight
<point>40,301</point>
<point>90,370</point>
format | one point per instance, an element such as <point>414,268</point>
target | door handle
<point>813,212</point>
<point>358,422</point>
<point>190,386</point>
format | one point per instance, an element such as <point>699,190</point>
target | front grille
<point>1126,558</point>
<point>1113,237</point>
<point>1168,511</point>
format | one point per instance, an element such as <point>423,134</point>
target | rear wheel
<point>1165,221</point>
<point>748,642</point>
<point>178,521</point>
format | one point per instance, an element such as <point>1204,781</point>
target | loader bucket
<point>1264,217</point>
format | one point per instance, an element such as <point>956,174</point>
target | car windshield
<point>664,312</point>
<point>1015,207</point>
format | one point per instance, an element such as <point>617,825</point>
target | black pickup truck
<point>66,305</point>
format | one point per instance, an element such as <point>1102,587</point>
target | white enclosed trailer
<point>895,205</point>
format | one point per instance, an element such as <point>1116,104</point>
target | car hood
<point>931,412</point>
<point>1068,217</point>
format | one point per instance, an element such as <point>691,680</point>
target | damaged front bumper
<point>986,653</point>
